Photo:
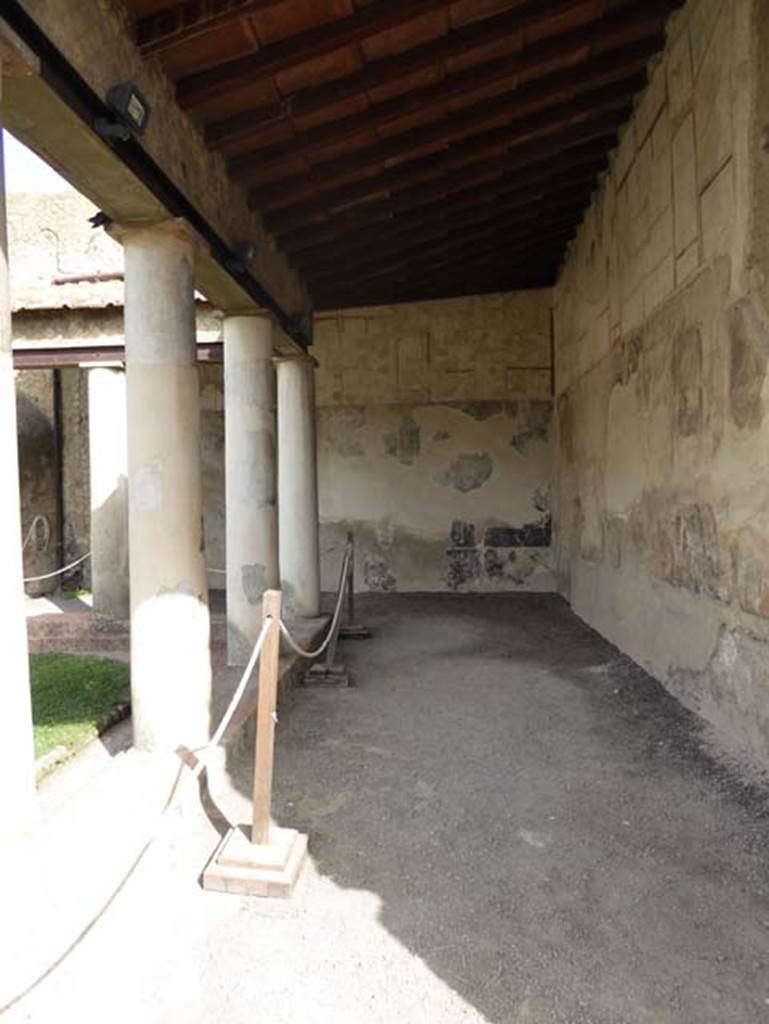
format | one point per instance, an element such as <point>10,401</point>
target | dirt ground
<point>508,821</point>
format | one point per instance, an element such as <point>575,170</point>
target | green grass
<point>71,697</point>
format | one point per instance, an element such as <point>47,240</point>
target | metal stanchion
<point>264,860</point>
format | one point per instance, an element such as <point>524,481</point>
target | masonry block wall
<point>662,338</point>
<point>434,443</point>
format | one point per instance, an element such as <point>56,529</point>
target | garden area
<point>74,699</point>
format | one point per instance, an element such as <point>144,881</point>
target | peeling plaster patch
<point>626,359</point>
<point>493,565</point>
<point>748,354</point>
<point>464,567</point>
<point>731,689</point>
<point>750,568</point>
<point>686,551</point>
<point>462,534</point>
<point>254,582</point>
<point>520,569</point>
<point>467,472</point>
<point>530,535</point>
<point>541,498</point>
<point>146,491</point>
<point>614,529</point>
<point>379,576</point>
<point>483,410</point>
<point>404,444</point>
<point>687,382</point>
<point>340,428</point>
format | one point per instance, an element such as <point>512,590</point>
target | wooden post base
<point>354,632</point>
<point>321,674</point>
<point>261,869</point>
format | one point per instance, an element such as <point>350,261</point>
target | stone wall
<point>434,443</point>
<point>661,510</point>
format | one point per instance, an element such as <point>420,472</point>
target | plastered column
<point>251,484</point>
<point>170,651</point>
<point>17,761</point>
<point>109,490</point>
<point>298,486</point>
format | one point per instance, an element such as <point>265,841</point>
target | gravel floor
<point>508,821</point>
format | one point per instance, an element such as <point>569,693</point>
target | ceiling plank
<point>528,17</point>
<point>216,82</point>
<point>503,141</point>
<point>584,143</point>
<point>501,263</point>
<point>605,80</point>
<point>487,280</point>
<point>192,18</point>
<point>464,223</point>
<point>466,241</point>
<point>571,49</point>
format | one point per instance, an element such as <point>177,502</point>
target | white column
<point>170,634</point>
<point>17,760</point>
<point>298,486</point>
<point>251,486</point>
<point>109,490</point>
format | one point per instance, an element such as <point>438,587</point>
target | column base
<point>259,869</point>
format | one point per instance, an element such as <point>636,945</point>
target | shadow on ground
<point>543,825</point>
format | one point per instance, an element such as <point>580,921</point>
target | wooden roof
<point>410,149</point>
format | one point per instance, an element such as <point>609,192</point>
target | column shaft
<point>109,490</point>
<point>251,485</point>
<point>298,486</point>
<point>170,652</point>
<point>17,762</point>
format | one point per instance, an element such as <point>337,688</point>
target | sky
<point>25,172</point>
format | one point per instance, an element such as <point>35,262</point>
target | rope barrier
<point>33,528</point>
<point>195,765</point>
<point>57,572</point>
<point>334,621</point>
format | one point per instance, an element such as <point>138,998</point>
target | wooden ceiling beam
<point>464,224</point>
<point>581,144</point>
<point>467,240</point>
<point>215,83</point>
<point>192,18</point>
<point>570,49</point>
<point>502,260</point>
<point>528,17</point>
<point>476,160</point>
<point>487,280</point>
<point>524,119</point>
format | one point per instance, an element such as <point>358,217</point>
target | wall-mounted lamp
<point>132,112</point>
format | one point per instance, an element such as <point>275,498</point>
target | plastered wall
<point>434,443</point>
<point>661,507</point>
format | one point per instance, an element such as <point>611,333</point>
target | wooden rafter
<point>464,224</point>
<point>191,19</point>
<point>496,142</point>
<point>583,144</point>
<point>571,49</point>
<point>216,82</point>
<point>528,18</point>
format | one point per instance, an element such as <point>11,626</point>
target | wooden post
<point>271,862</point>
<point>265,720</point>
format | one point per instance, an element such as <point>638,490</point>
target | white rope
<point>334,621</point>
<point>58,572</point>
<point>195,771</point>
<point>237,696</point>
<point>32,530</point>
